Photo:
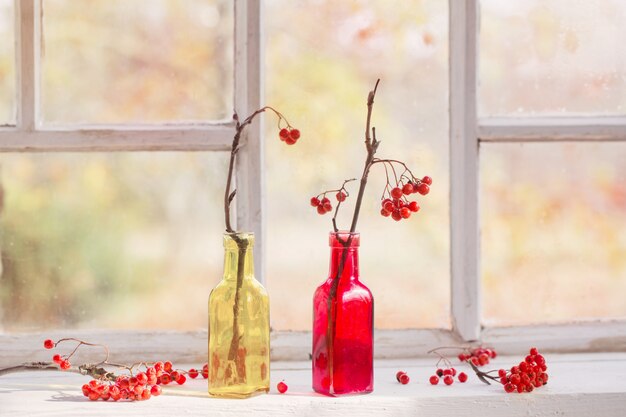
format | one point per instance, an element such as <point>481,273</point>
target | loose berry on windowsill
<point>282,387</point>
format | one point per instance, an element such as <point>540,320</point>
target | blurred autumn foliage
<point>119,240</point>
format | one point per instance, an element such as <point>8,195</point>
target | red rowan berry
<point>462,377</point>
<point>448,380</point>
<point>407,189</point>
<point>341,196</point>
<point>155,390</point>
<point>294,134</point>
<point>427,180</point>
<point>315,201</point>
<point>282,387</point>
<point>193,373</point>
<point>405,212</point>
<point>434,380</point>
<point>404,379</point>
<point>48,344</point>
<point>414,207</point>
<point>399,374</point>
<point>423,189</point>
<point>396,193</point>
<point>284,134</point>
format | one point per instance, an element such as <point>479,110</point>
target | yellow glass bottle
<point>239,326</point>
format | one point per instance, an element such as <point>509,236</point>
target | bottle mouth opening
<point>230,239</point>
<point>343,239</point>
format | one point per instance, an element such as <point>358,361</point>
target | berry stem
<point>239,129</point>
<point>80,343</point>
<point>371,144</point>
<point>483,376</point>
<point>343,188</point>
<point>242,245</point>
<point>92,370</point>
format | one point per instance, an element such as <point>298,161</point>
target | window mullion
<point>27,57</point>
<point>248,97</point>
<point>464,205</point>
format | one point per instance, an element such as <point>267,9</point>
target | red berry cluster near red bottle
<point>528,375</point>
<point>447,375</point>
<point>397,205</point>
<point>478,356</point>
<point>289,135</point>
<point>323,204</point>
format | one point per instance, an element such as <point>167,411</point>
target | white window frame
<point>29,135</point>
<point>467,132</point>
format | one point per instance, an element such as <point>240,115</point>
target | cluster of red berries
<point>289,135</point>
<point>479,356</point>
<point>398,206</point>
<point>141,386</point>
<point>137,387</point>
<point>63,362</point>
<point>324,205</point>
<point>448,376</point>
<point>402,377</point>
<point>528,375</point>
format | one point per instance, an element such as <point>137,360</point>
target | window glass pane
<point>121,240</point>
<point>553,232</point>
<point>118,61</point>
<point>7,62</point>
<point>320,79</point>
<point>552,57</point>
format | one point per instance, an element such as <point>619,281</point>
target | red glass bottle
<point>343,324</point>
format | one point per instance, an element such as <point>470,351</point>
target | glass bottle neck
<point>235,259</point>
<point>349,257</point>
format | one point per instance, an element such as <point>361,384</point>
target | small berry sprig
<point>394,201</point>
<point>136,385</point>
<point>448,375</point>
<point>529,374</point>
<point>289,135</point>
<point>479,356</point>
<point>323,203</point>
<point>449,372</point>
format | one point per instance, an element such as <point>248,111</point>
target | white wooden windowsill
<point>580,385</point>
